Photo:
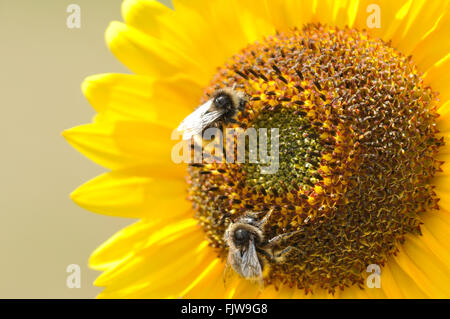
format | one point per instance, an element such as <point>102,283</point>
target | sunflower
<point>362,106</point>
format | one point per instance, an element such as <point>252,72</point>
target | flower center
<point>357,146</point>
<point>300,147</point>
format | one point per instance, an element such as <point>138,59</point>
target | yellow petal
<point>389,284</point>
<point>439,248</point>
<point>134,97</point>
<point>175,29</point>
<point>172,260</point>
<point>355,292</point>
<point>123,143</point>
<point>329,11</point>
<point>145,54</point>
<point>406,284</point>
<point>436,44</point>
<point>125,195</point>
<point>438,77</point>
<point>153,18</point>
<point>162,234</point>
<point>342,13</point>
<point>221,29</point>
<point>444,199</point>
<point>95,141</point>
<point>271,15</point>
<point>391,13</point>
<point>444,119</point>
<point>424,268</point>
<point>230,26</point>
<point>419,20</point>
<point>437,226</point>
<point>442,184</point>
<point>444,155</point>
<point>210,285</point>
<point>372,293</point>
<point>123,244</point>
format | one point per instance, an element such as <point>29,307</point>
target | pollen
<point>357,153</point>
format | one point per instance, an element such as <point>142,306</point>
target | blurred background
<point>42,65</point>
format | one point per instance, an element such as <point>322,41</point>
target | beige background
<point>42,64</point>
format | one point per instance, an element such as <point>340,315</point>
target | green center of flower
<point>356,154</point>
<point>301,150</point>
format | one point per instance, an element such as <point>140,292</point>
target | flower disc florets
<point>357,153</point>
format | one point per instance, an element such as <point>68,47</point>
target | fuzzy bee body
<point>218,111</point>
<point>242,238</point>
<point>248,247</point>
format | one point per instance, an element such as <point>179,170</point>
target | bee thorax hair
<point>229,100</point>
<point>239,235</point>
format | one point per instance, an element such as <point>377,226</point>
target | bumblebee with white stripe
<point>218,111</point>
<point>248,247</point>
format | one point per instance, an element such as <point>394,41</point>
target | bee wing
<point>194,116</point>
<point>229,272</point>
<point>251,266</point>
<point>246,264</point>
<point>195,122</point>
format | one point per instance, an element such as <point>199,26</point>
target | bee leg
<point>277,240</point>
<point>286,253</point>
<point>269,257</point>
<point>263,222</point>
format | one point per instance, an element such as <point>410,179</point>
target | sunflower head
<point>361,160</point>
<point>357,152</point>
